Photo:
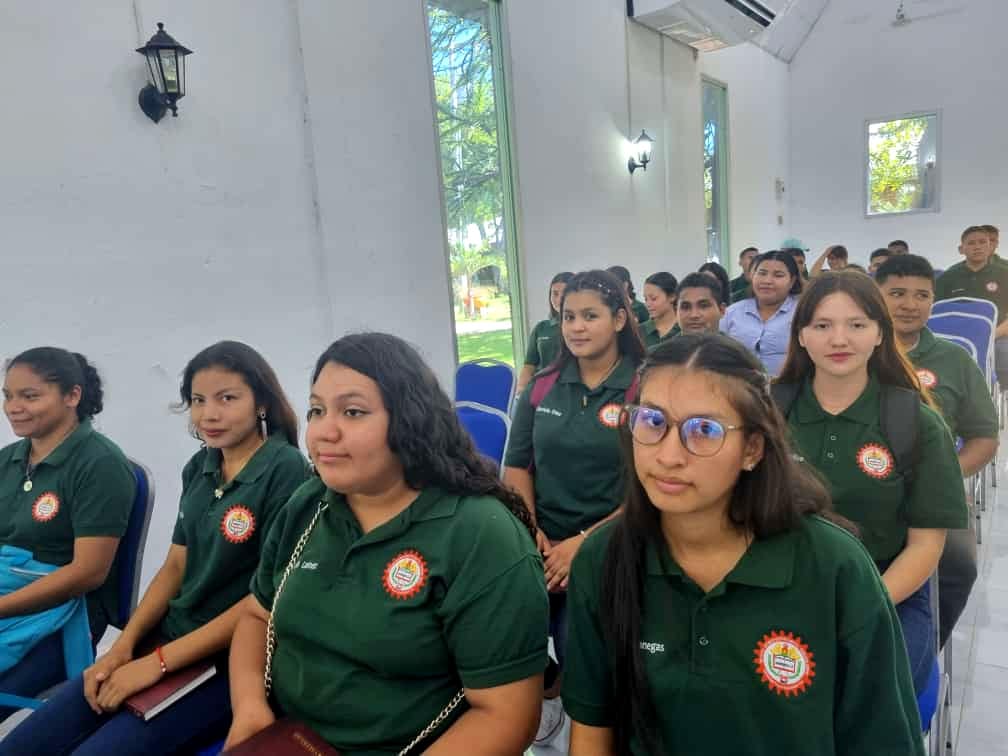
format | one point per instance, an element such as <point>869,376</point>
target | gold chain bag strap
<point>271,635</point>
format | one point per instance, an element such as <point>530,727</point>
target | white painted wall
<point>758,135</point>
<point>855,66</point>
<point>580,207</point>
<point>297,194</point>
<point>255,215</point>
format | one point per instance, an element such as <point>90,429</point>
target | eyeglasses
<point>700,436</point>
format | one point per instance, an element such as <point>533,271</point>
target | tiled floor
<point>978,649</point>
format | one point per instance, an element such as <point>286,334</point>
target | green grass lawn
<point>493,344</point>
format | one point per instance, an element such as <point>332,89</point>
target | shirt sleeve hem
<point>947,523</point>
<point>115,530</point>
<point>585,713</point>
<point>509,672</point>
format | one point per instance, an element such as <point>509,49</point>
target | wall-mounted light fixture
<point>166,63</point>
<point>642,148</point>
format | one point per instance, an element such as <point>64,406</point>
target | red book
<point>148,703</point>
<point>285,737</point>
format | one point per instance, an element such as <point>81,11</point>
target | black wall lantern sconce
<point>166,61</point>
<point>642,148</point>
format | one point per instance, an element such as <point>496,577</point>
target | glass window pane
<point>466,88</point>
<point>715,177</point>
<point>903,165</point>
<point>170,71</point>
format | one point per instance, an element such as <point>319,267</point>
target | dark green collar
<point>620,378</point>
<point>254,468</point>
<point>767,563</point>
<point>864,410</point>
<point>925,344</point>
<point>430,504</point>
<point>60,454</point>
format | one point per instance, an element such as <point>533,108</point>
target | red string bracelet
<point>161,661</point>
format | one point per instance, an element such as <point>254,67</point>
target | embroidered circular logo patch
<point>405,575</point>
<point>45,507</point>
<point>875,460</point>
<point>784,663</point>
<point>238,524</point>
<point>992,286</point>
<point>927,378</point>
<point>609,415</point>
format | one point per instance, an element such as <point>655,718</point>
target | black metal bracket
<point>152,103</point>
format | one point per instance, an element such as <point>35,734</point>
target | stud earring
<point>262,424</point>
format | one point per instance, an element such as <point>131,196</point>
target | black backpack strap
<point>784,395</point>
<point>900,413</point>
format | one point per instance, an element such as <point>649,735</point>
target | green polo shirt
<point>740,289</point>
<point>571,439</point>
<point>543,343</point>
<point>958,386</point>
<point>990,283</point>
<point>797,651</point>
<point>223,536</point>
<point>852,454</point>
<point>377,632</point>
<point>649,332</point>
<point>640,310</point>
<point>84,488</point>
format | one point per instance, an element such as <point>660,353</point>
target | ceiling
<point>795,19</point>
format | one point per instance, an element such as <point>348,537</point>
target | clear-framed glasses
<point>700,436</point>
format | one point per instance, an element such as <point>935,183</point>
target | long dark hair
<point>770,499</point>
<point>785,258</point>
<point>236,357</point>
<point>563,278</point>
<point>424,431</point>
<point>717,270</point>
<point>608,287</point>
<point>66,370</point>
<point>623,276</point>
<point>888,363</point>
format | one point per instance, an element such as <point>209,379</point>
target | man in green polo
<point>741,286</point>
<point>978,277</point>
<point>699,304</point>
<point>958,385</point>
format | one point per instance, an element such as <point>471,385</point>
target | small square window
<point>902,165</point>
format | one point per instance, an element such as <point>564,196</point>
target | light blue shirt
<point>767,339</point>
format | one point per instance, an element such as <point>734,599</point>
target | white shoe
<point>551,721</point>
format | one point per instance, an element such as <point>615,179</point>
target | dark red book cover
<point>285,737</point>
<point>147,704</point>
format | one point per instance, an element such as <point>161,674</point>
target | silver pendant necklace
<point>29,469</point>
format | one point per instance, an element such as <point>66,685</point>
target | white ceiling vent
<point>705,24</point>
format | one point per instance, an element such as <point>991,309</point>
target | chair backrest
<point>489,428</point>
<point>130,553</point>
<point>964,343</point>
<point>977,329</point>
<point>967,305</point>
<point>487,382</point>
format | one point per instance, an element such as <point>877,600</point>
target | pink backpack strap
<point>542,386</point>
<point>632,391</point>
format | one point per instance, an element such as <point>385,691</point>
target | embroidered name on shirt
<point>652,648</point>
<point>309,565</point>
<point>549,411</point>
